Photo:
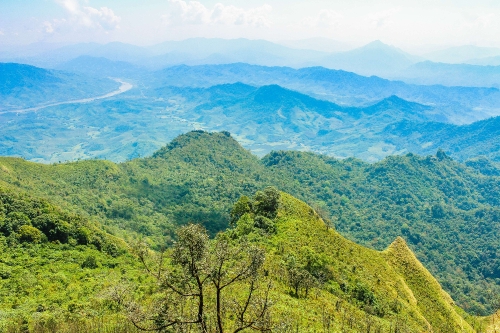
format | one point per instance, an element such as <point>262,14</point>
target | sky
<point>407,24</point>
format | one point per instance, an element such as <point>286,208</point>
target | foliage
<point>199,287</point>
<point>448,212</point>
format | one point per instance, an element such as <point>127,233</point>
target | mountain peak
<point>378,44</point>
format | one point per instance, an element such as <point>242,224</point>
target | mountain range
<point>375,58</point>
<point>327,111</point>
<point>447,211</point>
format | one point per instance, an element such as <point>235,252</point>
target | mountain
<point>462,142</point>
<point>447,211</point>
<point>263,118</point>
<point>456,104</point>
<point>193,51</point>
<point>375,58</point>
<point>24,86</point>
<point>320,280</point>
<point>452,74</point>
<point>286,119</point>
<point>101,67</point>
<point>317,44</point>
<point>488,61</point>
<point>462,54</point>
<point>52,58</point>
<point>198,51</point>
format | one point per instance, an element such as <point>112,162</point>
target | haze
<point>416,26</point>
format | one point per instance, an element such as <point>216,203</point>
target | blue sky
<point>408,23</point>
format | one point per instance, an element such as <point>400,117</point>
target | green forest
<point>270,243</point>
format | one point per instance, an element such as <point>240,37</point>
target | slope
<point>23,86</point>
<point>462,142</point>
<point>447,211</point>
<point>55,264</point>
<point>70,287</point>
<point>358,290</point>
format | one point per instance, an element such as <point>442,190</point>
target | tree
<point>266,202</point>
<point>196,283</point>
<point>233,264</point>
<point>183,285</point>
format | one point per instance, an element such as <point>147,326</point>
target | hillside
<point>53,264</point>
<point>434,202</point>
<point>342,286</point>
<point>23,86</point>
<point>462,142</point>
<point>456,104</point>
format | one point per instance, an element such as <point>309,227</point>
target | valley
<point>238,185</point>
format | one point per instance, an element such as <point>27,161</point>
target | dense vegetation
<point>56,267</point>
<point>278,268</point>
<point>462,142</point>
<point>448,212</point>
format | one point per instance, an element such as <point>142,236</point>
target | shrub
<point>29,234</point>
<point>89,262</point>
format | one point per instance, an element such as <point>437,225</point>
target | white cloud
<point>48,27</point>
<point>382,19</point>
<point>194,12</point>
<point>481,21</point>
<point>83,16</point>
<point>1,33</point>
<point>325,19</point>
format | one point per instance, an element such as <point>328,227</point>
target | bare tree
<point>234,264</point>
<point>194,286</point>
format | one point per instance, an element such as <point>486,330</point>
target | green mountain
<point>447,211</point>
<point>462,142</point>
<point>320,280</point>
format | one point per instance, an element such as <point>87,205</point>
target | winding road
<point>125,86</point>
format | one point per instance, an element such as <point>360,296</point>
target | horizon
<point>416,27</point>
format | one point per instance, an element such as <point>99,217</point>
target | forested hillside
<point>463,142</point>
<point>447,212</point>
<point>279,267</point>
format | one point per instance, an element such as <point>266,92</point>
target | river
<point>125,86</point>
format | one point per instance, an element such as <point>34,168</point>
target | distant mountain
<point>193,51</point>
<point>271,117</point>
<point>23,86</point>
<point>461,142</point>
<point>101,67</point>
<point>55,57</point>
<point>317,44</point>
<point>465,75</point>
<point>197,51</point>
<point>488,61</point>
<point>453,104</point>
<point>462,54</point>
<point>375,58</point>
